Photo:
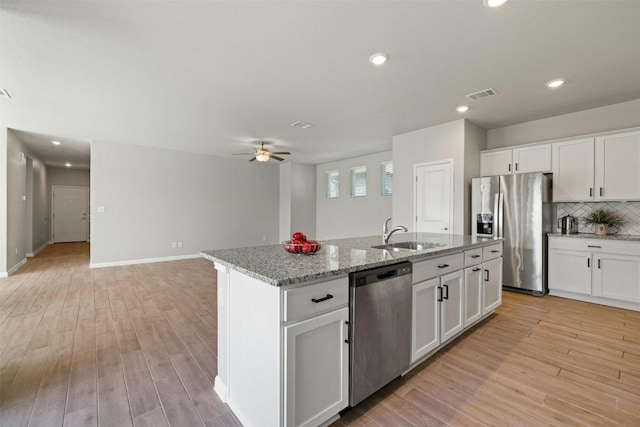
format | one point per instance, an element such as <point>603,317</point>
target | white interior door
<point>434,198</point>
<point>69,213</point>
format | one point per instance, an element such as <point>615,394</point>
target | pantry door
<point>433,197</point>
<point>70,214</point>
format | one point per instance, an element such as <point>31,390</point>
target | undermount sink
<point>409,246</point>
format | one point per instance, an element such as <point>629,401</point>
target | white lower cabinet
<point>451,305</point>
<point>492,285</point>
<point>472,294</point>
<point>425,331</point>
<point>596,270</point>
<point>316,368</point>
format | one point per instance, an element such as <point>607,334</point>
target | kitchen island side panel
<point>254,344</point>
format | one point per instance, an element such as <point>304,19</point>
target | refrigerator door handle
<point>497,209</point>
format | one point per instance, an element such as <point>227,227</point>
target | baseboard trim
<point>34,253</point>
<point>143,261</point>
<point>627,305</point>
<point>14,268</point>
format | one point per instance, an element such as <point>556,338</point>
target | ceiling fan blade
<point>252,159</point>
<point>281,152</point>
<point>276,157</point>
<point>241,154</point>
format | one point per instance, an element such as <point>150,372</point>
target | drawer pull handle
<point>475,256</point>
<point>317,300</point>
<point>476,269</point>
<point>594,246</point>
<point>495,251</point>
<point>443,266</point>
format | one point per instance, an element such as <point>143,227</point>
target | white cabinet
<point>492,285</point>
<point>472,295</point>
<point>451,305</point>
<point>425,331</point>
<point>596,270</point>
<point>316,368</point>
<point>573,170</point>
<point>600,169</point>
<point>525,159</point>
<point>617,167</point>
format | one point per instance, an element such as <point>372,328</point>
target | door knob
<point>446,228</point>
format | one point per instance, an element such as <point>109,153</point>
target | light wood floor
<point>136,345</point>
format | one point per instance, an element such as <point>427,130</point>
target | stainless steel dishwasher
<point>379,328</point>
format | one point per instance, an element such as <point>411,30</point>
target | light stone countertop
<point>273,265</point>
<point>623,237</point>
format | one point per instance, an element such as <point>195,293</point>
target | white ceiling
<point>214,77</point>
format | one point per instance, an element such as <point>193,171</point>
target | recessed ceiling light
<point>493,3</point>
<point>56,142</point>
<point>68,165</point>
<point>462,109</point>
<point>555,83</point>
<point>378,58</point>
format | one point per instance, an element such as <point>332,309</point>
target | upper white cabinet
<point>532,158</point>
<point>573,170</point>
<point>597,169</point>
<point>617,167</point>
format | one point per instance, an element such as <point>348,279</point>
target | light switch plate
<point>101,209</point>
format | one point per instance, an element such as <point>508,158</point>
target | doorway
<point>69,207</point>
<point>433,208</point>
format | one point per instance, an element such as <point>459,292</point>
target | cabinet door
<point>618,167</point>
<point>532,159</point>
<point>573,170</point>
<point>316,369</point>
<point>425,332</point>
<point>617,276</point>
<point>495,163</point>
<point>570,271</point>
<point>492,285</point>
<point>472,295</point>
<point>452,305</point>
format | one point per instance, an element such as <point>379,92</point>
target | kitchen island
<point>283,345</point>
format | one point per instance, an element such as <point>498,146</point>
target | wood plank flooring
<point>136,346</point>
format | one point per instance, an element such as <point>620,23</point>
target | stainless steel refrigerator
<point>519,209</point>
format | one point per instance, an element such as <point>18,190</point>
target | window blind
<point>386,179</point>
<point>333,185</point>
<point>359,181</point>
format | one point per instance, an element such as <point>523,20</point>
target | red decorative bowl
<point>306,247</point>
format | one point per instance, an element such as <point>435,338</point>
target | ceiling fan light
<point>262,157</point>
<point>493,3</point>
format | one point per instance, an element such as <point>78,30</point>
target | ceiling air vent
<point>482,94</point>
<point>301,125</point>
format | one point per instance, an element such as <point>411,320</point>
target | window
<point>386,179</point>
<point>333,185</point>
<point>359,181</point>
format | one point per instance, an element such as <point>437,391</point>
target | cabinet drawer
<point>440,266</point>
<point>472,257</point>
<point>314,299</point>
<point>595,245</point>
<point>491,252</point>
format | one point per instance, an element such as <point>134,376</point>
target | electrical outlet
<point>179,244</point>
<point>174,245</point>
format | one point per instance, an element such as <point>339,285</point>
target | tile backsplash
<point>630,211</point>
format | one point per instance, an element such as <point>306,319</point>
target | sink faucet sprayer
<point>386,233</point>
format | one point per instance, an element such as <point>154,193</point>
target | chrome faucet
<point>386,234</point>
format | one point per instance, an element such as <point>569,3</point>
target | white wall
<point>475,140</point>
<point>40,205</point>
<point>297,200</point>
<point>611,117</point>
<point>349,216</point>
<point>436,143</point>
<point>68,177</point>
<point>16,206</point>
<point>153,197</point>
<point>3,202</point>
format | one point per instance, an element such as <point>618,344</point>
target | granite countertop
<point>273,265</point>
<point>624,237</point>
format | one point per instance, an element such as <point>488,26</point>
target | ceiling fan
<point>262,154</point>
